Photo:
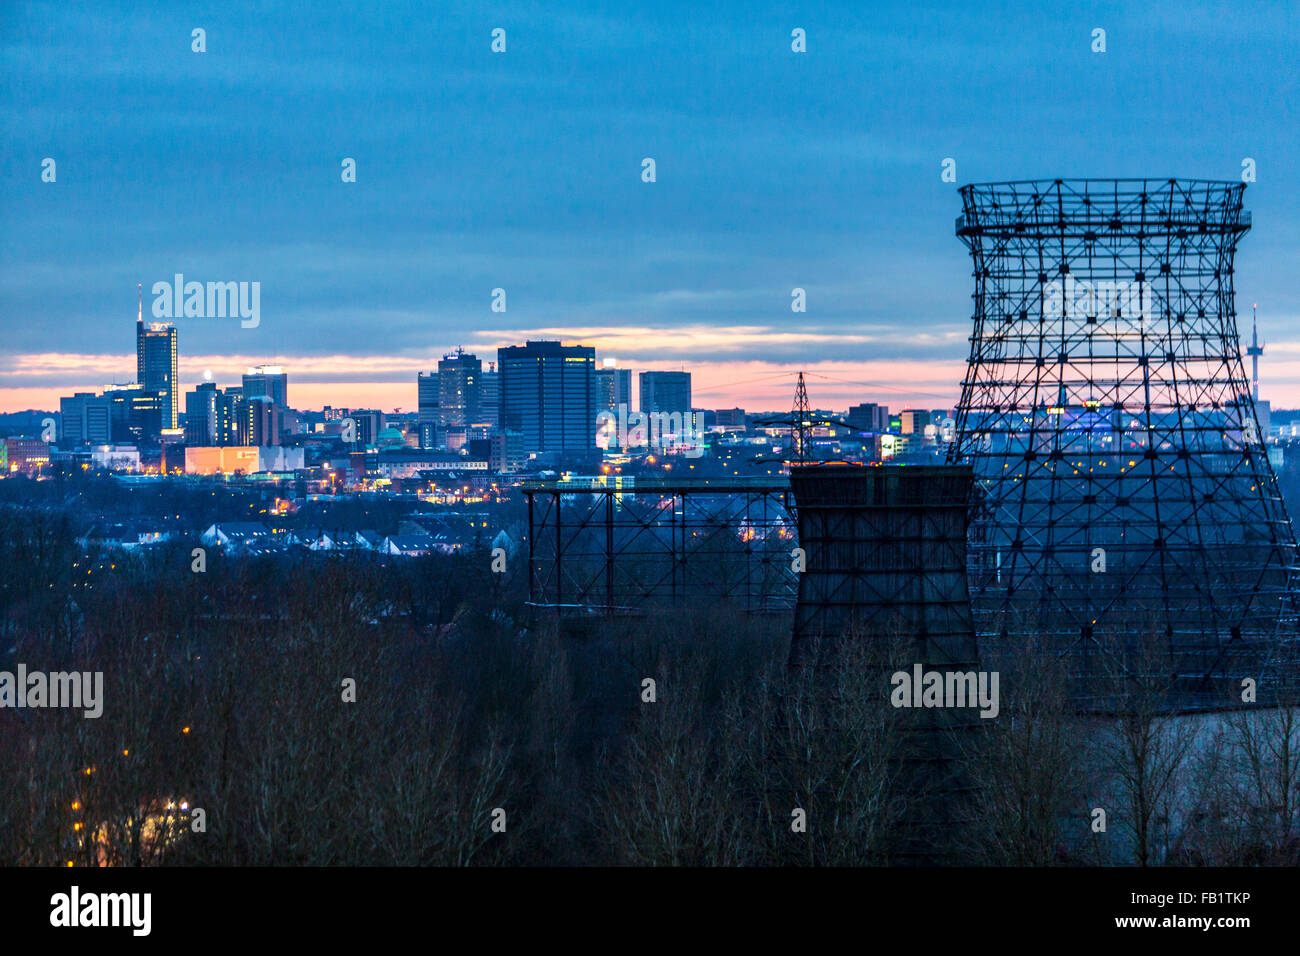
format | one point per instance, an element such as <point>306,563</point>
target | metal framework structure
<point>615,545</point>
<point>800,421</point>
<point>1127,507</point>
<point>886,564</point>
<point>886,556</point>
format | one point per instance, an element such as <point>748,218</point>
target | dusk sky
<point>522,170</point>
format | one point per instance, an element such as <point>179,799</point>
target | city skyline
<point>775,171</point>
<point>776,384</point>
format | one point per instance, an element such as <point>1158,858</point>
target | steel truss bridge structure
<point>613,545</point>
<point>1127,510</point>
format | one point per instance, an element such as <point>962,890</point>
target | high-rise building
<point>914,420</point>
<point>257,422</point>
<point>665,392</point>
<point>136,414</point>
<point>869,417</point>
<point>155,363</point>
<point>210,417</point>
<point>27,455</point>
<point>367,424</point>
<point>85,419</point>
<point>613,386</point>
<point>606,389</point>
<point>490,395</point>
<point>730,418</point>
<point>459,384</point>
<point>270,381</point>
<point>507,452</point>
<point>548,393</point>
<point>428,397</point>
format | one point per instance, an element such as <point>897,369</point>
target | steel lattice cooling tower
<point>1127,507</point>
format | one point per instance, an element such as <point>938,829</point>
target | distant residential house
<point>129,534</point>
<point>409,545</point>
<point>503,540</point>
<point>446,543</point>
<point>453,531</point>
<point>256,548</point>
<point>336,541</point>
<point>317,540</point>
<point>244,536</point>
<point>369,539</point>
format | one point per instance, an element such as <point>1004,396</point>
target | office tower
<point>26,455</point>
<point>155,364</point>
<point>228,417</point>
<point>257,422</point>
<point>914,420</point>
<point>210,416</point>
<point>613,387</point>
<point>606,390</point>
<point>665,392</point>
<point>507,452</point>
<point>623,386</point>
<point>1264,412</point>
<point>428,398</point>
<point>85,419</point>
<point>459,383</point>
<point>869,417</point>
<point>201,415</point>
<point>730,418</point>
<point>548,393</point>
<point>137,415</point>
<point>72,418</point>
<point>368,423</point>
<point>455,437</point>
<point>490,395</point>
<point>270,381</point>
<point>1128,514</point>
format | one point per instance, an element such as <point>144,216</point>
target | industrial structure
<point>885,552</point>
<point>613,545</point>
<point>1126,515</point>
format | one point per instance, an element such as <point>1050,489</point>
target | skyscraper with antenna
<point>1255,351</point>
<point>155,361</point>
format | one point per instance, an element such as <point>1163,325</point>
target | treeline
<point>326,710</point>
